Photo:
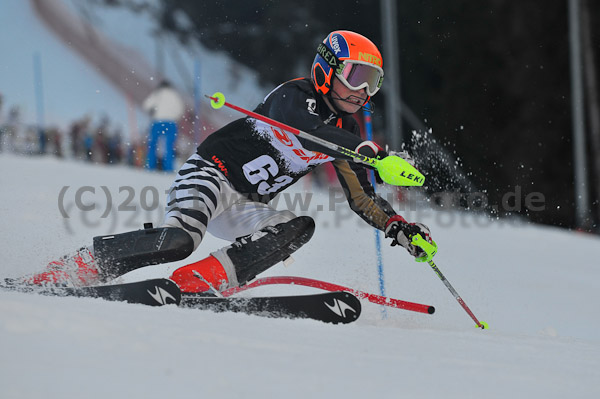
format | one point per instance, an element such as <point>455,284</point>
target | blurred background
<point>497,100</point>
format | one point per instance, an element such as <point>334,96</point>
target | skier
<point>225,187</point>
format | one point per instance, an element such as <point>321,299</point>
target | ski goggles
<point>357,75</point>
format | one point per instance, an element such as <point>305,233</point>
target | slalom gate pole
<point>430,251</point>
<point>392,169</point>
<point>219,99</point>
<point>323,285</point>
<point>380,274</point>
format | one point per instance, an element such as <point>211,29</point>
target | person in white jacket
<point>165,107</point>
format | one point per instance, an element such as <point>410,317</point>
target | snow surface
<point>537,287</point>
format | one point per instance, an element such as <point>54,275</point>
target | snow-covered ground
<point>537,287</point>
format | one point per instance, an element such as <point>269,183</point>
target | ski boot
<point>245,258</point>
<point>74,270</point>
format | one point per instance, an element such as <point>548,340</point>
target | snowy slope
<point>535,286</point>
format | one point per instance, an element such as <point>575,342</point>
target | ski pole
<point>430,250</point>
<point>393,170</point>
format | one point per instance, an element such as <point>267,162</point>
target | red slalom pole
<point>308,282</point>
<point>263,118</point>
<point>218,100</point>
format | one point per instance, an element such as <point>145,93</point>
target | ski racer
<point>225,187</point>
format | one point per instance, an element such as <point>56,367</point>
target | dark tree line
<point>491,79</point>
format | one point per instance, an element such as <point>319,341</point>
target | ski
<point>340,305</point>
<point>330,307</point>
<point>154,292</point>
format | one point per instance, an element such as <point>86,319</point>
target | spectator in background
<point>42,139</point>
<point>115,141</point>
<point>88,144</point>
<point>1,121</point>
<point>136,153</point>
<point>77,133</point>
<point>54,141</point>
<point>11,128</point>
<point>100,141</point>
<point>165,106</point>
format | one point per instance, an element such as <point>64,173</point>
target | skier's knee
<point>251,255</point>
<point>280,217</point>
<point>195,232</point>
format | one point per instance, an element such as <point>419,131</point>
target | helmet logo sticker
<point>335,45</point>
<point>339,44</point>
<point>373,59</point>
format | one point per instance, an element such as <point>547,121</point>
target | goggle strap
<point>331,59</point>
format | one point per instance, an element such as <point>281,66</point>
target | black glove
<point>402,233</point>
